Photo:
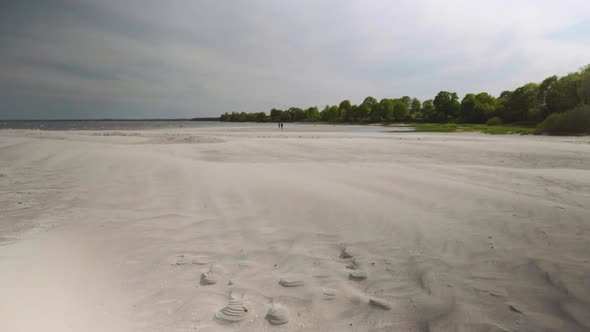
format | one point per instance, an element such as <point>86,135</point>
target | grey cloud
<point>131,58</point>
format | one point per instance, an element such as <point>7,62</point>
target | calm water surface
<point>154,124</point>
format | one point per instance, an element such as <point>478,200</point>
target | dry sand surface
<point>308,229</point>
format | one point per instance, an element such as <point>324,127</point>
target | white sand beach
<point>328,230</point>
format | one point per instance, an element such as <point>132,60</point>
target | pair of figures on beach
<point>280,125</point>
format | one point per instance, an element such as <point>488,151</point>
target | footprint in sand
<point>291,282</point>
<point>277,315</point>
<point>233,312</point>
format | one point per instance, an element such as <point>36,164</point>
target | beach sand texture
<point>223,229</point>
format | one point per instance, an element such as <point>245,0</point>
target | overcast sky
<point>167,59</point>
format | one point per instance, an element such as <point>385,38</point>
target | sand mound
<point>233,312</point>
<point>347,252</point>
<point>208,278</point>
<point>355,264</point>
<point>357,275</point>
<point>291,282</point>
<point>380,303</point>
<point>277,315</point>
<point>180,260</point>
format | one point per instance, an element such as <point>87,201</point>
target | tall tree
<point>297,114</point>
<point>345,107</point>
<point>428,110</point>
<point>276,115</point>
<point>312,113</point>
<point>370,102</point>
<point>520,104</point>
<point>486,104</point>
<point>330,114</point>
<point>467,112</point>
<point>584,88</point>
<point>415,106</point>
<point>364,111</point>
<point>563,95</point>
<point>544,96</point>
<point>406,100</point>
<point>477,108</point>
<point>386,109</point>
<point>401,110</point>
<point>447,106</point>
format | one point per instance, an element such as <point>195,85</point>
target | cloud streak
<point>149,59</point>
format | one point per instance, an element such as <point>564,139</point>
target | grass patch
<point>493,130</point>
<point>436,127</point>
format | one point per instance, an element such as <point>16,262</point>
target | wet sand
<point>254,229</point>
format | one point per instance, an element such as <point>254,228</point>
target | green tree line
<point>531,103</point>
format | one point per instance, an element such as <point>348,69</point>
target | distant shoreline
<point>215,119</point>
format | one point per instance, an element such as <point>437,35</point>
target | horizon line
<point>123,119</point>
